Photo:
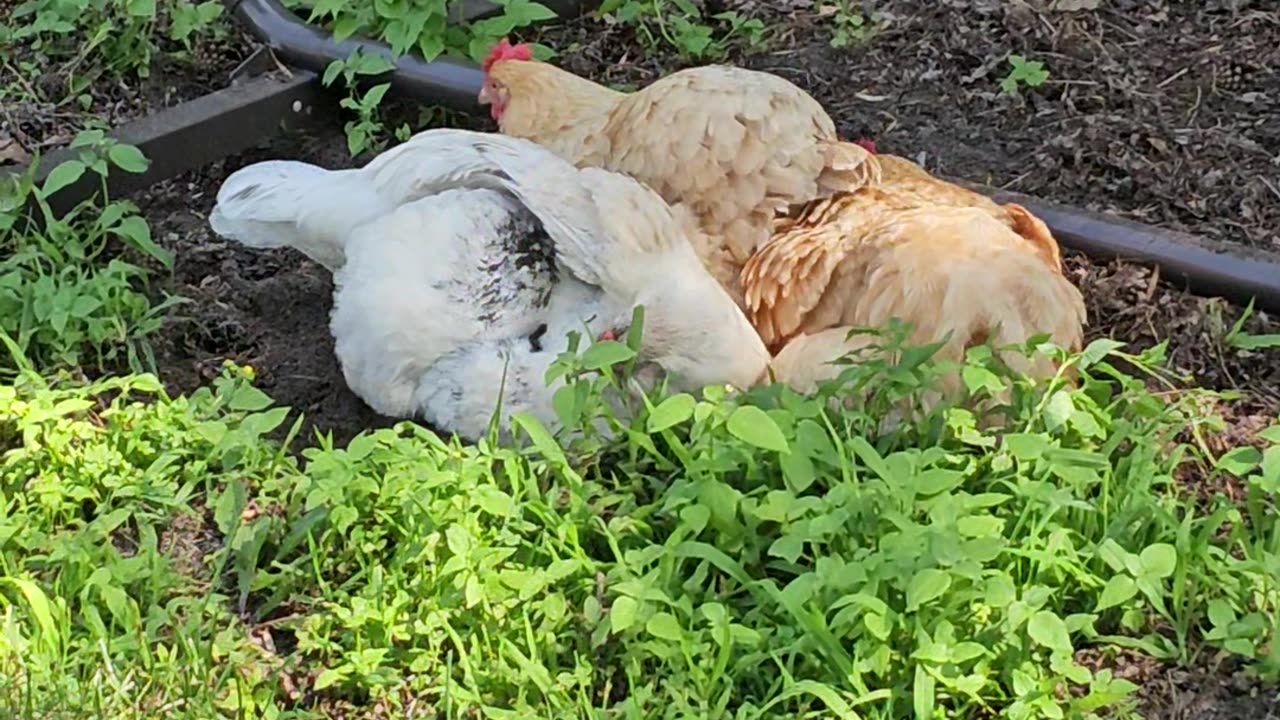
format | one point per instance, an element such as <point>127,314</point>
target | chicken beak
<point>485,97</point>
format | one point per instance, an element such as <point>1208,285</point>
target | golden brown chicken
<point>916,187</point>
<point>941,257</point>
<point>826,233</point>
<point>733,146</point>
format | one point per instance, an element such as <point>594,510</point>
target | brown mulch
<point>1210,691</point>
<point>1163,112</point>
<point>1147,115</point>
<point>267,309</point>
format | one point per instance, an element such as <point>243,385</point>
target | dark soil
<point>1164,112</point>
<point>1172,693</point>
<point>1182,695</point>
<point>42,117</point>
<point>268,309</point>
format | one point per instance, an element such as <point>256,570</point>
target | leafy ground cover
<point>95,64</point>
<point>757,555</point>
<point>179,542</point>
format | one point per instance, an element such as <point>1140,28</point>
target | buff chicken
<point>730,147</point>
<point>950,261</point>
<point>462,261</point>
<point>810,234</point>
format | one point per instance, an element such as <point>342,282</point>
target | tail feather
<point>549,186</point>
<point>641,231</point>
<point>600,222</point>
<point>285,203</point>
<point>1026,224</point>
<point>849,167</point>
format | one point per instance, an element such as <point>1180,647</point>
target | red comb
<point>867,144</point>
<point>504,50</point>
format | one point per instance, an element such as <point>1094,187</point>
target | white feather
<point>284,203</point>
<point>444,282</point>
<point>414,335</point>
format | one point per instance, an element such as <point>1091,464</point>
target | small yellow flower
<point>243,370</point>
<point>981,612</point>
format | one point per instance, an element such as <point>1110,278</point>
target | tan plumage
<point>914,247</point>
<point>809,233</point>
<point>916,187</point>
<point>734,146</point>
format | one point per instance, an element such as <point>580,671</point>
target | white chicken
<point>462,260</point>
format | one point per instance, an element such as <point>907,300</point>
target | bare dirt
<point>265,308</point>
<point>42,116</point>
<point>1163,112</point>
<point>1166,112</point>
<point>1182,695</point>
<point>270,309</point>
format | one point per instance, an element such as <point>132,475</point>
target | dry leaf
<point>1073,5</point>
<point>11,152</point>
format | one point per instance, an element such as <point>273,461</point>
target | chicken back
<point>947,260</point>
<point>463,261</point>
<point>734,146</point>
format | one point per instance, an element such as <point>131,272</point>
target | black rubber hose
<point>444,81</point>
<point>1236,273</point>
<point>1231,271</point>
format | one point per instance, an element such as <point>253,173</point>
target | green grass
<point>407,27</point>
<point>753,555</point>
<point>420,28</point>
<point>59,52</point>
<point>664,26</point>
<point>68,297</point>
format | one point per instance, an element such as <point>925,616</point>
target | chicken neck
<point>560,111</point>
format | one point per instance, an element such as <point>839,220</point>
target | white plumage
<point>462,260</point>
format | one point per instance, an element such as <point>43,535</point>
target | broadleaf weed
<point>59,302</point>
<point>758,554</point>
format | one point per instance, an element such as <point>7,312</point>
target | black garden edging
<point>1212,269</point>
<point>192,134</point>
<point>1238,275</point>
<point>264,99</point>
<point>231,120</point>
